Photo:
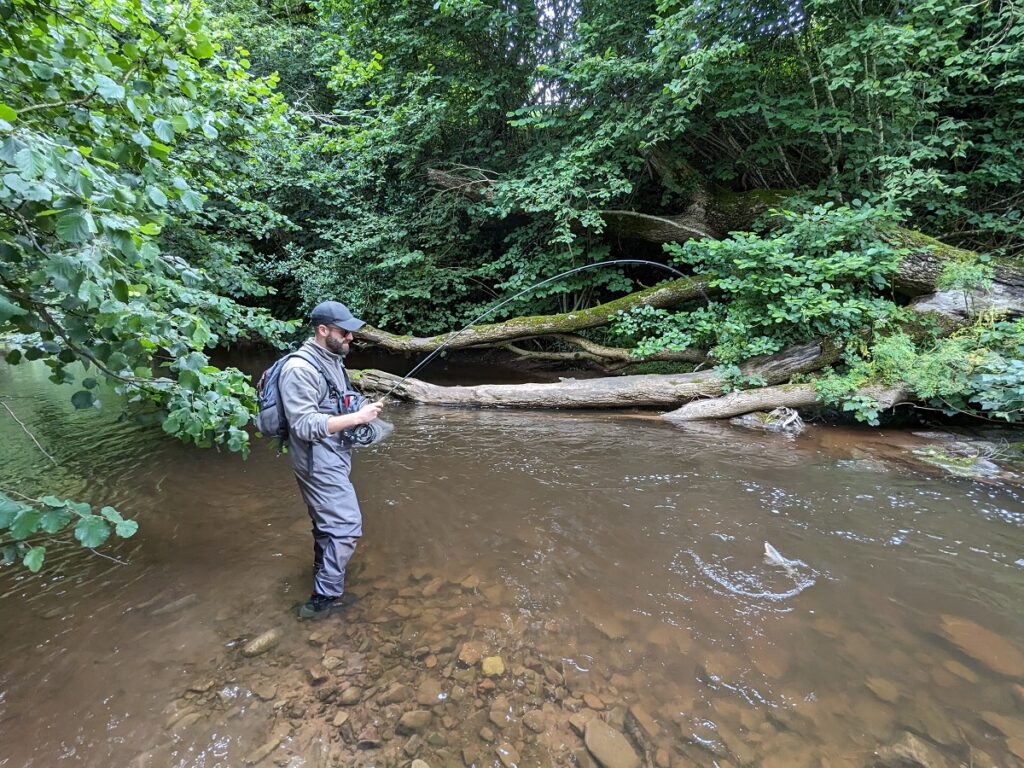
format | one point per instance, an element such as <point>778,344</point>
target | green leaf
<point>25,523</point>
<point>108,89</point>
<point>92,531</point>
<point>126,528</point>
<point>8,309</point>
<point>111,514</point>
<point>54,519</point>
<point>203,49</point>
<point>7,113</point>
<point>192,201</point>
<point>82,399</point>
<point>33,559</point>
<point>163,129</point>
<point>75,226</point>
<point>8,509</point>
<point>31,163</point>
<point>157,196</point>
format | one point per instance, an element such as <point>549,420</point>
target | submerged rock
<point>883,689</point>
<point>262,643</point>
<point>493,666</point>
<point>414,721</point>
<point>913,751</point>
<point>784,420</point>
<point>508,755</point>
<point>609,747</point>
<point>471,653</point>
<point>984,645</point>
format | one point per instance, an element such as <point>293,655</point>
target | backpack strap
<point>332,389</point>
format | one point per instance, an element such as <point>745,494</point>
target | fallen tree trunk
<point>769,398</point>
<point>519,328</point>
<point>662,390</point>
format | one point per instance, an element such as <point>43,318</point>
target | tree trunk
<point>518,328</point>
<point>664,390</point>
<point>768,398</point>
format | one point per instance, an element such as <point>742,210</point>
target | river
<point>615,566</point>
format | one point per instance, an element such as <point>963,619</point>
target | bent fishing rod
<point>509,300</point>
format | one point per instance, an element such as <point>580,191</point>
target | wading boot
<point>319,606</point>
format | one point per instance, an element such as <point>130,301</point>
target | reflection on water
<point>616,566</point>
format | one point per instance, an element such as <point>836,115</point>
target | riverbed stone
<point>984,645</point>
<point>883,689</point>
<point>420,764</point>
<point>593,701</point>
<point>262,643</point>
<point>609,747</point>
<point>535,721</point>
<point>508,755</point>
<point>265,690</point>
<point>262,751</point>
<point>317,675</point>
<point>493,666</point>
<point>396,694</point>
<point>912,750</point>
<point>650,729</point>
<point>471,653</point>
<point>340,718</point>
<point>351,695</point>
<point>429,693</point>
<point>414,721</point>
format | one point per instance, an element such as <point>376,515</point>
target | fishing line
<point>523,292</point>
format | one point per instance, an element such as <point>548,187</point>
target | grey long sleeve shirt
<point>306,398</point>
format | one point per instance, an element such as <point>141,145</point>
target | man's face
<point>337,340</point>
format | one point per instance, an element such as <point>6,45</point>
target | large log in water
<point>662,390</point>
<point>768,398</point>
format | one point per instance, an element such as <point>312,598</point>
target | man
<point>314,394</point>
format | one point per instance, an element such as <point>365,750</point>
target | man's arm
<point>300,397</point>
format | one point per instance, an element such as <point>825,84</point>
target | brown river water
<point>614,564</point>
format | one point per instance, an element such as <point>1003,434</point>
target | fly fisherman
<point>315,395</point>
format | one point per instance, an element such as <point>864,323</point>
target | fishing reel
<point>368,434</point>
<point>363,435</point>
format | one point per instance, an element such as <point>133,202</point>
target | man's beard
<point>337,347</point>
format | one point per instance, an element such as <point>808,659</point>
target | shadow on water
<point>615,564</point>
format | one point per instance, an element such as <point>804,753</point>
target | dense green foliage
<point>118,118</point>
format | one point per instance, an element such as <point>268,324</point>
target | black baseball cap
<point>335,313</point>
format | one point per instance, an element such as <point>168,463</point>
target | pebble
<point>650,729</point>
<point>608,746</point>
<point>265,691</point>
<point>493,666</point>
<point>262,643</point>
<point>593,701</point>
<point>396,694</point>
<point>351,696</point>
<point>429,693</point>
<point>508,755</point>
<point>414,721</point>
<point>340,718</point>
<point>535,721</point>
<point>420,764</point>
<point>317,675</point>
<point>471,653</point>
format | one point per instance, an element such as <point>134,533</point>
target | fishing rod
<point>523,292</point>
